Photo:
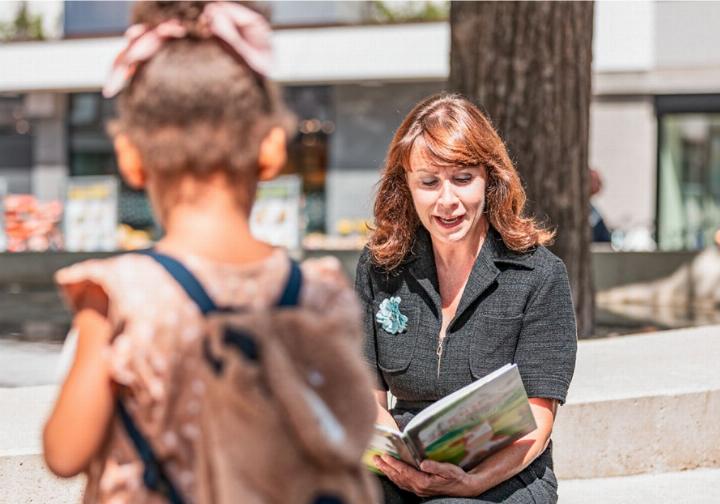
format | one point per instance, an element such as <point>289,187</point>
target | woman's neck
<point>456,255</point>
<point>454,262</point>
<point>210,223</point>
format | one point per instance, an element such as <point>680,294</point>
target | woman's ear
<point>273,154</point>
<point>129,162</point>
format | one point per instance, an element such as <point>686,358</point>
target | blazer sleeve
<point>363,288</point>
<point>546,349</point>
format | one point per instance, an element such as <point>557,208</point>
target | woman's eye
<point>463,179</point>
<point>428,182</point>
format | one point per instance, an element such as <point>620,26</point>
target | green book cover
<point>464,427</point>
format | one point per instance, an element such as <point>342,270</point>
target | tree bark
<point>527,65</point>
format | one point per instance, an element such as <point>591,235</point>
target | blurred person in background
<point>600,232</point>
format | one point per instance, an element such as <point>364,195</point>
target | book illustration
<point>465,427</point>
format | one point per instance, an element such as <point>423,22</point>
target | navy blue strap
<point>291,293</point>
<point>187,280</point>
<point>196,292</point>
<point>154,476</point>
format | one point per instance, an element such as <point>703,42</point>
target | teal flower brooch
<point>389,316</point>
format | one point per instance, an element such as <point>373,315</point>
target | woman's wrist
<point>473,485</point>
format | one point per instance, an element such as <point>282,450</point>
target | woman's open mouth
<point>449,223</point>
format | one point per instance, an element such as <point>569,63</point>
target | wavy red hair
<point>455,133</point>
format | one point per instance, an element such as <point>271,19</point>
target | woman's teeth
<point>449,222</point>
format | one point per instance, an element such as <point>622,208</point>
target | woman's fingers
<point>403,475</point>
<point>447,471</point>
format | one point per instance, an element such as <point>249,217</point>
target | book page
<point>475,421</point>
<point>390,442</point>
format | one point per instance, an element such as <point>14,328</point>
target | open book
<point>462,428</point>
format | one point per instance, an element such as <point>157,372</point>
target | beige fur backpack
<point>287,409</point>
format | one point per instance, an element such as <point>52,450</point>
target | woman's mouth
<point>448,223</point>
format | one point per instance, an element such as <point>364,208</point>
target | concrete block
<point>701,486</point>
<point>642,404</point>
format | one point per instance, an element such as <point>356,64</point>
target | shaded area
<point>32,314</point>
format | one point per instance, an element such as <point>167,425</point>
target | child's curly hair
<point>196,106</point>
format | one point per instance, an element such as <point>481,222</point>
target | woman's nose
<point>447,195</point>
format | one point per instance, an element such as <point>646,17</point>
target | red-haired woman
<point>456,282</point>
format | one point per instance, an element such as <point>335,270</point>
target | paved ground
<point>25,363</point>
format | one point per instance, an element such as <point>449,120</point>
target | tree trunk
<point>528,66</point>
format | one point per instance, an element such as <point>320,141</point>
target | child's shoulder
<point>115,276</point>
<point>325,283</point>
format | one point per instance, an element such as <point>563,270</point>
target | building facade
<point>655,116</point>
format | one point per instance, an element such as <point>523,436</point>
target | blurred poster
<point>91,214</point>
<point>3,235</point>
<point>31,225</point>
<point>275,217</point>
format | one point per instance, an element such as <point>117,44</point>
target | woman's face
<point>449,200</point>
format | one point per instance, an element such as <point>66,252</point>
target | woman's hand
<point>435,478</point>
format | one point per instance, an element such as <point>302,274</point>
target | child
<point>199,125</point>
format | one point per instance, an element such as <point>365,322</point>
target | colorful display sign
<point>91,214</point>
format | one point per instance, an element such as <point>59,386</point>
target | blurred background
<point>622,151</point>
<point>350,71</point>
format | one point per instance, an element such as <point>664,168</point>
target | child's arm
<point>79,423</point>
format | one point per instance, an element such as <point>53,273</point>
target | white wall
<point>687,34</point>
<point>623,140</point>
<point>624,36</point>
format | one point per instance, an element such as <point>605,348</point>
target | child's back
<point>154,322</point>
<point>171,395</point>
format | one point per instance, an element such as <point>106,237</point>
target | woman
<point>477,290</point>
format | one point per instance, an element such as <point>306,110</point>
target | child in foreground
<point>199,126</point>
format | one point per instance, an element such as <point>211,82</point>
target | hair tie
<point>245,31</point>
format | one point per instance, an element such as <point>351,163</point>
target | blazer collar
<point>421,264</point>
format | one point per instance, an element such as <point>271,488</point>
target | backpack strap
<point>154,476</point>
<point>291,293</point>
<point>192,287</point>
<point>195,291</point>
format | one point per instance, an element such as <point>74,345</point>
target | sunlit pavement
<point>28,363</point>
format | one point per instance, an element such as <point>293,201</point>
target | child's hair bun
<point>187,12</point>
<point>196,105</point>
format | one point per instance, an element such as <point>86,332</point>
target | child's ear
<point>129,162</point>
<point>273,154</point>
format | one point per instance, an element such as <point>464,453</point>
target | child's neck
<point>213,226</point>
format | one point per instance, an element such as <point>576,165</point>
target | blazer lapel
<point>482,276</point>
<point>421,265</point>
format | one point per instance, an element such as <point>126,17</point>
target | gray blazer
<point>515,308</point>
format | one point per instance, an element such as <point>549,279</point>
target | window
<point>91,153</point>
<point>689,177</point>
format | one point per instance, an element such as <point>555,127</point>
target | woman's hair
<point>454,133</point>
<point>196,106</point>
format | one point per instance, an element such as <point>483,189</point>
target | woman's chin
<point>450,236</point>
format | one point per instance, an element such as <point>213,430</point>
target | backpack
<point>286,411</point>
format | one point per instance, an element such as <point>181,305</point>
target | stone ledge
<point>642,404</point>
<point>638,404</point>
<point>701,486</point>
